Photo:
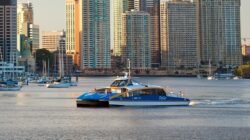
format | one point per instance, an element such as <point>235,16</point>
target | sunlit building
<point>178,34</point>
<point>117,8</point>
<point>95,48</point>
<point>74,29</point>
<point>50,40</point>
<point>246,50</point>
<point>136,39</point>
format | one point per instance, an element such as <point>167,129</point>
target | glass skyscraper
<point>220,33</point>
<point>95,51</point>
<point>136,39</point>
<point>153,8</point>
<point>179,34</point>
<point>117,8</point>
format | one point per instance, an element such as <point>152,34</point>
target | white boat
<point>210,78</point>
<point>58,85</point>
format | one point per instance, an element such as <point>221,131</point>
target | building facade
<point>8,30</point>
<point>153,8</point>
<point>117,8</point>
<point>220,31</point>
<point>136,39</point>
<point>95,51</point>
<point>50,40</point>
<point>178,34</point>
<point>74,29</point>
<point>34,35</point>
<point>245,50</point>
<point>24,17</point>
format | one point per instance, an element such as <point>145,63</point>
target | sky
<point>50,15</point>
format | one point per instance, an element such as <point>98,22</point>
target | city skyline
<point>57,17</point>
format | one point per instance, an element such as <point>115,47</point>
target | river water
<point>220,110</point>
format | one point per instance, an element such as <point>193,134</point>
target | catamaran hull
<point>91,103</point>
<point>57,85</point>
<point>149,103</point>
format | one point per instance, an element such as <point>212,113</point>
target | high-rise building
<point>153,8</point>
<point>178,34</point>
<point>136,39</point>
<point>8,31</point>
<point>24,18</point>
<point>74,29</point>
<point>50,40</point>
<point>34,35</point>
<point>117,8</point>
<point>220,31</point>
<point>95,51</point>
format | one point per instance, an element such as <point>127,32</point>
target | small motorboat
<point>125,91</point>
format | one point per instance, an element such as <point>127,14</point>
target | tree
<point>43,55</point>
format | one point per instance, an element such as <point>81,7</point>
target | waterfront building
<point>220,33</point>
<point>178,34</point>
<point>74,29</point>
<point>153,8</point>
<point>8,31</point>
<point>136,39</point>
<point>95,35</point>
<point>9,70</point>
<point>117,8</point>
<point>50,40</point>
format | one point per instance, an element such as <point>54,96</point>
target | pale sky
<point>50,15</point>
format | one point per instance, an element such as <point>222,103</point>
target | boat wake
<point>215,102</point>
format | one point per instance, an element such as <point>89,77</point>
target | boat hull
<point>92,103</point>
<point>10,89</point>
<point>58,85</point>
<point>149,103</point>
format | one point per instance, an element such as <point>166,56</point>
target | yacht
<point>125,91</point>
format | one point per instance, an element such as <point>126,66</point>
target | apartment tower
<point>153,8</point>
<point>95,51</point>
<point>220,33</point>
<point>8,31</point>
<point>178,34</point>
<point>117,8</point>
<point>74,29</point>
<point>136,39</point>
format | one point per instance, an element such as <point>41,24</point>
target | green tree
<point>43,55</point>
<point>243,70</point>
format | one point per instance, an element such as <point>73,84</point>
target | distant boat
<point>58,85</point>
<point>9,87</point>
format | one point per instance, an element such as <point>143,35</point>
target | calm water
<point>220,111</point>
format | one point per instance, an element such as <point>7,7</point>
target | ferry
<point>125,91</point>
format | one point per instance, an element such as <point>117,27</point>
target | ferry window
<point>160,92</point>
<point>119,83</point>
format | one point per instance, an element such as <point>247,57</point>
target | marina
<point>219,109</point>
